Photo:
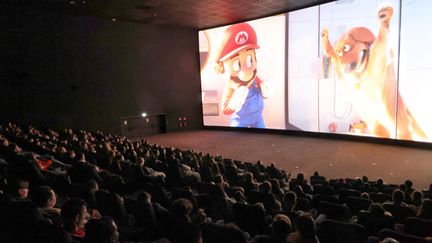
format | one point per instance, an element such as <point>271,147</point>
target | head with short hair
<point>19,188</point>
<point>44,197</point>
<point>300,177</point>
<point>275,184</point>
<point>103,230</point>
<point>92,185</point>
<point>266,186</point>
<point>74,214</point>
<point>380,181</point>
<point>182,206</point>
<point>289,200</point>
<point>239,196</point>
<point>281,224</point>
<point>417,196</point>
<point>218,178</point>
<point>298,190</point>
<point>408,184</point>
<point>376,209</point>
<point>389,240</point>
<point>144,197</point>
<point>398,196</point>
<point>248,177</point>
<point>305,226</point>
<point>365,195</point>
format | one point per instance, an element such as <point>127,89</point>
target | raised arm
<point>327,46</point>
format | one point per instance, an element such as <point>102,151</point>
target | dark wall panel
<point>86,72</point>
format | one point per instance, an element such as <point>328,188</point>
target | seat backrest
<point>380,197</point>
<point>212,233</point>
<point>344,193</point>
<point>427,195</point>
<point>302,204</point>
<point>334,211</point>
<point>332,231</point>
<point>323,190</point>
<point>254,196</point>
<point>399,212</point>
<point>374,224</point>
<point>318,198</point>
<point>318,180</point>
<point>355,204</point>
<point>401,237</point>
<point>418,227</point>
<point>158,194</point>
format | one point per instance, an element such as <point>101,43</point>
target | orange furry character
<point>364,63</point>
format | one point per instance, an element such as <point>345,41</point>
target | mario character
<point>244,91</point>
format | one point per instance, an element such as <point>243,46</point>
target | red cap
<point>236,38</point>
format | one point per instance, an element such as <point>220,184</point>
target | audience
<point>78,186</point>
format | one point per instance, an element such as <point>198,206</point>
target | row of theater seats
<point>156,193</point>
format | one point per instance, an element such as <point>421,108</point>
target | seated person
<point>103,230</point>
<point>425,211</point>
<point>17,190</point>
<point>281,227</point>
<point>75,216</point>
<point>398,208</point>
<point>45,199</point>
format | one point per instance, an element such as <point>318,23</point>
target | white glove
<point>239,97</point>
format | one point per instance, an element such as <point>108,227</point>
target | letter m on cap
<point>241,37</point>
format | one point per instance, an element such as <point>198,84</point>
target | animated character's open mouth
<point>358,66</point>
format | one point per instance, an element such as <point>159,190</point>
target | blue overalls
<point>250,115</point>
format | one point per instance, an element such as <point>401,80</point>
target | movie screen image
<point>243,74</point>
<point>357,67</point>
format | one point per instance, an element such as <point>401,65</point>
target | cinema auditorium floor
<point>332,158</point>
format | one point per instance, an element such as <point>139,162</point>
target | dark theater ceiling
<point>197,14</point>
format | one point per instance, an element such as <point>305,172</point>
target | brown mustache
<point>236,79</point>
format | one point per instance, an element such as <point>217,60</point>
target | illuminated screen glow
<point>356,67</point>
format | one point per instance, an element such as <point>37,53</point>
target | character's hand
<point>324,34</point>
<point>237,100</point>
<point>266,89</point>
<point>385,14</point>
